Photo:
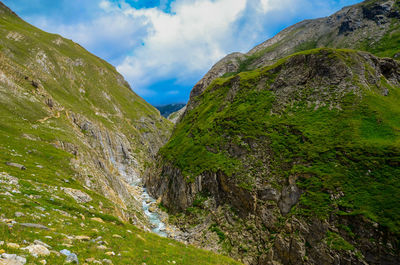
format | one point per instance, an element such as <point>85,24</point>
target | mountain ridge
<point>307,35</point>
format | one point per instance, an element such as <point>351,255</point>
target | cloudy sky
<point>163,47</point>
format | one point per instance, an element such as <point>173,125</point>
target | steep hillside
<point>73,138</point>
<point>294,159</point>
<point>174,117</point>
<point>372,26</point>
<point>297,162</point>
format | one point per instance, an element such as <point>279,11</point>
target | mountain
<point>75,141</point>
<point>168,109</point>
<point>289,154</point>
<point>371,26</point>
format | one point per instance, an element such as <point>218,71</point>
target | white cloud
<point>182,43</point>
<point>271,5</point>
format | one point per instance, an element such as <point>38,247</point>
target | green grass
<point>389,45</point>
<point>39,195</point>
<point>336,242</point>
<point>215,228</point>
<point>354,149</point>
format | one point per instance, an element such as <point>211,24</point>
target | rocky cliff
<point>294,160</point>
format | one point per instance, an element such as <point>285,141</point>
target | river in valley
<point>157,225</point>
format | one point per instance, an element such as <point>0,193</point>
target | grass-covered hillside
<point>313,138</point>
<point>73,135</point>
<point>372,26</point>
<point>35,197</point>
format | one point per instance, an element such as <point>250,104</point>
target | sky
<point>163,47</point>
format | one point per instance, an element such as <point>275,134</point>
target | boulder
<point>39,226</point>
<point>11,259</point>
<point>13,245</point>
<point>11,164</point>
<point>37,250</point>
<point>70,257</point>
<point>38,242</point>
<point>97,219</point>
<point>78,195</point>
<point>82,238</point>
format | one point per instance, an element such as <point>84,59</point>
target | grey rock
<point>37,250</point>
<point>39,226</point>
<point>70,257</point>
<point>19,214</point>
<point>38,242</point>
<point>268,194</point>
<point>12,259</point>
<point>289,197</point>
<point>12,164</point>
<point>78,195</point>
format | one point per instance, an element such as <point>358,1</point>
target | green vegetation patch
<point>336,242</point>
<point>389,45</point>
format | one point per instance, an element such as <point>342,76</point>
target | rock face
<point>269,161</point>
<point>56,94</point>
<point>176,116</point>
<point>230,63</point>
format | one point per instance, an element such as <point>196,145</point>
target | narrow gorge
<point>287,154</point>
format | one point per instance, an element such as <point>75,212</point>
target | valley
<point>287,154</point>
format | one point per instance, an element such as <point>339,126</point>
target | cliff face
<point>56,93</point>
<point>294,160</point>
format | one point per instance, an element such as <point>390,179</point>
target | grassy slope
<point>38,194</point>
<point>95,76</point>
<point>355,150</point>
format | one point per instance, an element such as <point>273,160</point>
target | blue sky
<point>163,47</point>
